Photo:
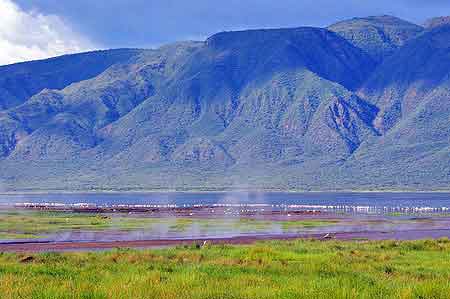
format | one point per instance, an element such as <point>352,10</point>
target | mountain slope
<point>379,36</point>
<point>20,81</point>
<point>301,108</point>
<point>412,90</point>
<point>237,94</point>
<point>436,22</point>
<point>401,83</point>
<point>95,103</point>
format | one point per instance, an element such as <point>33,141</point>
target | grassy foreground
<point>295,269</point>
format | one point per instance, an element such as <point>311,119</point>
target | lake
<point>127,217</point>
<point>350,202</point>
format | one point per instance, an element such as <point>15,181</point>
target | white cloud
<point>30,35</point>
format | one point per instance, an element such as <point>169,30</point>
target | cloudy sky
<point>33,29</point>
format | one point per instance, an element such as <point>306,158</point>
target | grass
<point>31,225</point>
<point>281,269</point>
<point>292,225</point>
<point>12,236</point>
<point>35,224</point>
<point>46,222</point>
<point>42,222</point>
<point>249,224</point>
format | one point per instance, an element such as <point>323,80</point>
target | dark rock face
<point>302,108</point>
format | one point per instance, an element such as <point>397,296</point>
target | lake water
<point>350,202</point>
<point>352,215</point>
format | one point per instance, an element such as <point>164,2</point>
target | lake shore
<point>360,236</point>
<point>217,191</point>
<point>90,228</point>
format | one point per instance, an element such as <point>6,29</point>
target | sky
<point>35,29</point>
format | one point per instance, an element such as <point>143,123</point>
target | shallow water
<point>347,202</point>
<point>344,226</point>
<point>231,228</point>
<point>226,215</point>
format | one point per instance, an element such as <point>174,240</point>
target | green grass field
<point>279,269</point>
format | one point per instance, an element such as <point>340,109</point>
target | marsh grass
<point>42,222</point>
<point>292,225</point>
<point>12,236</point>
<point>281,269</point>
<point>32,224</point>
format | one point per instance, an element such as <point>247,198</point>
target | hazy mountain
<point>364,105</point>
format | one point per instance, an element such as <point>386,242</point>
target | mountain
<point>412,91</point>
<point>436,22</point>
<point>302,108</point>
<point>379,36</point>
<point>405,80</point>
<point>18,82</point>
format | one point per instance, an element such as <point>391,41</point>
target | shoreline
<point>313,224</point>
<point>169,191</point>
<point>357,236</point>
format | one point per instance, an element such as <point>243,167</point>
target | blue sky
<point>149,23</point>
<point>142,23</point>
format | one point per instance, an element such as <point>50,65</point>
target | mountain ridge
<point>289,109</point>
